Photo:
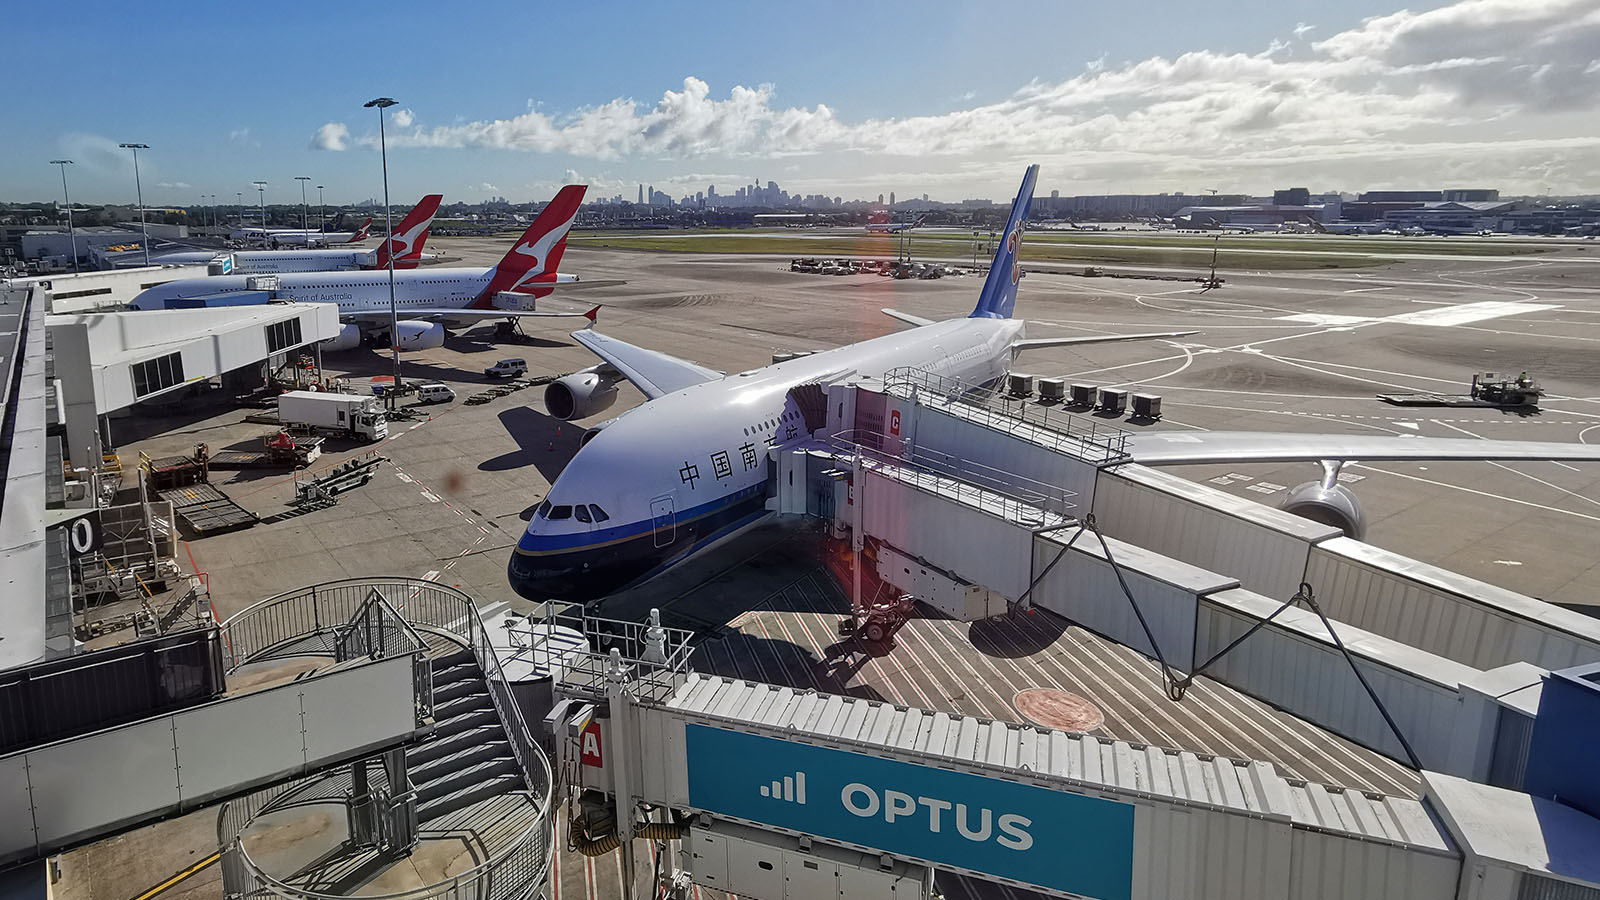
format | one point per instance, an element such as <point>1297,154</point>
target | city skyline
<point>1359,95</point>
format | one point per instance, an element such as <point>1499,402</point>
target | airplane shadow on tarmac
<point>1021,635</point>
<point>543,441</point>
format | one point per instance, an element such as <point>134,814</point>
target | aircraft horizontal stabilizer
<point>1182,448</point>
<point>906,317</point>
<point>1042,343</point>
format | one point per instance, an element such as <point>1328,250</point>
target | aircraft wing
<point>1042,343</point>
<point>652,372</point>
<point>906,317</point>
<point>1178,448</point>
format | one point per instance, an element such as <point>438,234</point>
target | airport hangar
<point>1457,839</point>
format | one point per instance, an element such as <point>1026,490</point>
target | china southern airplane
<point>893,227</point>
<point>429,300</point>
<point>686,469</point>
<point>406,244</point>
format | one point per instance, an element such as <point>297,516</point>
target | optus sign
<point>1068,842</point>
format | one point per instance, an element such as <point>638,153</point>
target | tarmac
<point>1299,352</point>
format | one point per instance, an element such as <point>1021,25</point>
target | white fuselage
<point>355,292</point>
<point>293,237</point>
<point>688,468</point>
<point>276,262</point>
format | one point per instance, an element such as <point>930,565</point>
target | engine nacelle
<point>595,431</point>
<point>579,395</point>
<point>1334,505</point>
<point>419,335</point>
<point>348,338</point>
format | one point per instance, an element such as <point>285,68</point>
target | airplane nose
<point>541,579</point>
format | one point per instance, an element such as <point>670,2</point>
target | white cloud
<point>486,187</point>
<point>403,118</point>
<point>1301,29</point>
<point>239,136</point>
<point>174,185</point>
<point>1497,91</point>
<point>330,136</point>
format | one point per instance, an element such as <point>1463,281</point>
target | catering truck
<point>341,415</point>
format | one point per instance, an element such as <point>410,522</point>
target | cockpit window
<point>544,510</point>
<point>581,512</point>
<point>599,514</point>
<point>560,512</point>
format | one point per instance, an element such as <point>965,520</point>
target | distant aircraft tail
<point>335,225</point>
<point>361,233</point>
<point>918,222</point>
<point>407,241</point>
<point>532,260</point>
<point>999,295</point>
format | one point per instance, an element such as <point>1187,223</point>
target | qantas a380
<point>405,245</point>
<point>687,468</point>
<point>428,300</point>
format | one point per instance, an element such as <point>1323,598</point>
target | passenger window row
<point>790,416</point>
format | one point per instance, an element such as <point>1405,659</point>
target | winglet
<point>593,316</point>
<point>999,295</point>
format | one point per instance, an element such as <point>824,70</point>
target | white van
<point>434,392</point>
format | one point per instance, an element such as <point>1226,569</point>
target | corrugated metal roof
<point>1079,761</point>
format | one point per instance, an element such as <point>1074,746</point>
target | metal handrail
<point>265,628</point>
<point>1016,500</point>
<point>1095,441</point>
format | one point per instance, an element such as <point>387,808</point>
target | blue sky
<point>944,98</point>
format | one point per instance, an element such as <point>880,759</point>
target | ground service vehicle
<point>507,368</point>
<point>342,415</point>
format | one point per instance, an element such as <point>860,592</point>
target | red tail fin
<point>407,241</point>
<point>361,233</point>
<point>533,258</point>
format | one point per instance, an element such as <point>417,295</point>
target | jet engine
<point>348,338</point>
<point>595,430</point>
<point>419,335</point>
<point>580,395</point>
<point>1328,502</point>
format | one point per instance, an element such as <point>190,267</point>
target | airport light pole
<point>261,195</point>
<point>139,188</point>
<point>71,234</point>
<point>240,195</point>
<point>303,179</point>
<point>383,103</point>
<point>322,211</point>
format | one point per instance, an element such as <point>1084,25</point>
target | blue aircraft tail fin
<point>1000,290</point>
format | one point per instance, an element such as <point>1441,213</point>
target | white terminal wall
<point>95,352</point>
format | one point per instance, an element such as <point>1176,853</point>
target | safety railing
<point>996,491</point>
<point>1093,441</point>
<point>657,656</point>
<point>322,613</point>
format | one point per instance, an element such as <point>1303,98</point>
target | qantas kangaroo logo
<point>539,250</point>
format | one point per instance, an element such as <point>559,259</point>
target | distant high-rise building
<point>880,199</point>
<point>924,198</point>
<point>1054,195</point>
<point>891,198</point>
<point>641,195</point>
